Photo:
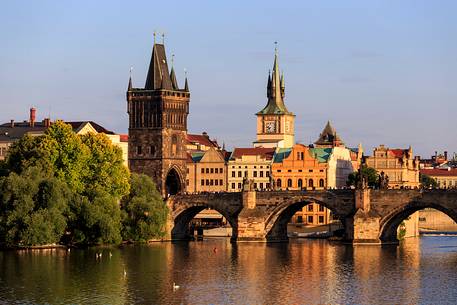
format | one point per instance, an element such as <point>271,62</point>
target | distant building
<point>252,164</point>
<point>13,131</point>
<point>446,178</point>
<point>400,166</point>
<point>300,167</point>
<point>206,165</point>
<point>275,124</point>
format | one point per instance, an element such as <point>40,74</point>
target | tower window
<point>138,150</point>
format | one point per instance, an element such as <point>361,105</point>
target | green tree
<point>144,211</point>
<point>95,221</point>
<point>105,168</point>
<point>369,172</point>
<point>32,209</point>
<point>427,181</point>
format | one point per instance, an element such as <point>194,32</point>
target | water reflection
<point>217,272</point>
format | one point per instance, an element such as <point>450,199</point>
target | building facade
<point>400,166</point>
<point>275,124</point>
<point>251,164</point>
<point>158,126</point>
<point>445,178</point>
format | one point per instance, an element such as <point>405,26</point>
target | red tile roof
<point>124,137</point>
<point>439,172</point>
<point>201,139</point>
<point>397,152</point>
<point>267,153</point>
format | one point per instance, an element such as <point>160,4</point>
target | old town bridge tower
<point>158,125</point>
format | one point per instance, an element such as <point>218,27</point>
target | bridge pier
<point>251,222</point>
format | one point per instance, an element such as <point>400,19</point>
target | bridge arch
<point>279,217</point>
<point>390,223</point>
<point>183,212</point>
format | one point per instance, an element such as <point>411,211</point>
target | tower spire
<point>186,84</point>
<point>130,79</point>
<point>174,83</point>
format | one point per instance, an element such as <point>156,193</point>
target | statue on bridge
<point>362,182</point>
<point>248,184</point>
<point>383,181</point>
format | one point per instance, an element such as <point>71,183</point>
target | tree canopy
<point>369,172</point>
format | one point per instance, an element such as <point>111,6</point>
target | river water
<point>419,271</point>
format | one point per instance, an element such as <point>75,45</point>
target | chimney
<point>12,123</point>
<point>445,155</point>
<point>32,117</point>
<point>46,122</point>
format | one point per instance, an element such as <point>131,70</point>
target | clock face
<point>270,127</point>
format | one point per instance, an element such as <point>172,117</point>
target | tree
<point>369,172</point>
<point>427,181</point>
<point>144,211</point>
<point>32,208</point>
<point>104,167</point>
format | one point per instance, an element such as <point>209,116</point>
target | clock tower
<point>275,124</point>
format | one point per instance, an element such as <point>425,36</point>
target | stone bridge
<point>368,216</point>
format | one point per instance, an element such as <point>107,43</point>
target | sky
<point>383,72</point>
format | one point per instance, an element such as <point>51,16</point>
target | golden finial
<point>276,48</point>
<point>154,37</point>
<point>172,59</point>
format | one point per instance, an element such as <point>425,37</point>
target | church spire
<point>174,83</point>
<point>275,90</point>
<point>158,76</point>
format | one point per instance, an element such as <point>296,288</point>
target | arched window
<point>289,182</point>
<point>310,183</point>
<point>321,183</point>
<point>174,145</point>
<point>300,183</point>
<point>278,183</point>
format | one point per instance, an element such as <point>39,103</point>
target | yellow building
<point>252,164</point>
<point>206,171</point>
<point>400,166</point>
<point>445,177</point>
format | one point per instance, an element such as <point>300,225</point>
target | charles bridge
<point>369,216</point>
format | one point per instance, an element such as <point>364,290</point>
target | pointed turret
<point>186,85</point>
<point>174,83</point>
<point>275,91</point>
<point>158,76</point>
<point>328,137</point>
<point>283,86</point>
<point>130,84</point>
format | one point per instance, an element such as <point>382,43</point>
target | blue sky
<point>384,72</point>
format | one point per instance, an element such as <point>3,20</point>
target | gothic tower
<point>275,124</point>
<point>158,125</point>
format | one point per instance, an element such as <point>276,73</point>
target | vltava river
<point>419,271</point>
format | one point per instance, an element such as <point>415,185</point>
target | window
<point>302,155</point>
<point>279,170</point>
<point>300,183</point>
<point>239,185</point>
<point>267,174</point>
<point>211,182</point>
<point>261,174</point>
<point>233,185</point>
<point>212,170</point>
<point>255,174</point>
<point>233,174</point>
<point>174,145</point>
<point>300,170</point>
<point>203,181</point>
<point>261,186</point>
<point>207,170</point>
<point>207,182</point>
<point>289,182</point>
<point>216,170</point>
<point>310,207</point>
<point>246,173</point>
<point>289,170</point>
<point>321,208</point>
<point>321,170</point>
<point>321,219</point>
<point>310,219</point>
<point>152,150</point>
<point>278,183</point>
<point>299,219</point>
<point>310,170</point>
<point>255,185</point>
<point>267,185</point>
<point>321,183</point>
<point>221,170</point>
<point>138,150</point>
<point>216,182</point>
<point>203,170</point>
<point>310,183</point>
<point>239,174</point>
<point>220,182</point>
